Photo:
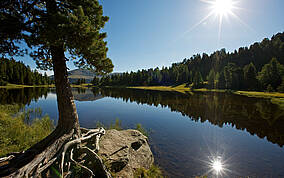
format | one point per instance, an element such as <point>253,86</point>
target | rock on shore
<point>125,151</point>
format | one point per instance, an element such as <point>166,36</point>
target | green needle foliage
<point>50,31</point>
<point>250,68</point>
<point>47,26</point>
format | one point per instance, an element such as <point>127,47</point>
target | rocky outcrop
<point>125,151</point>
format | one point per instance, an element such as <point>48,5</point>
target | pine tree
<point>270,74</point>
<point>250,77</point>
<point>211,79</point>
<point>281,87</point>
<point>197,80</point>
<point>269,88</point>
<point>50,28</point>
<point>221,84</point>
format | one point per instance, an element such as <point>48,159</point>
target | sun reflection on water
<point>217,166</point>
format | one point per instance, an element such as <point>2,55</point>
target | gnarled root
<point>33,162</point>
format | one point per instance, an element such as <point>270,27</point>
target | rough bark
<point>68,117</point>
<point>22,164</point>
<point>42,155</point>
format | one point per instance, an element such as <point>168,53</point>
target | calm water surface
<point>188,130</point>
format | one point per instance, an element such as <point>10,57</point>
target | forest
<point>255,68</point>
<point>15,72</point>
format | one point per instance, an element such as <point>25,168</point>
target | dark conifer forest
<point>259,67</point>
<point>15,72</point>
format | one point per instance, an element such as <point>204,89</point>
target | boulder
<point>125,151</point>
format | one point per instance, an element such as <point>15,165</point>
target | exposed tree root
<point>37,160</point>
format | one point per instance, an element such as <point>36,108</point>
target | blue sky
<point>146,34</point>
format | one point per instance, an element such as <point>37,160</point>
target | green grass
<point>153,172</point>
<point>261,94</point>
<point>84,85</point>
<point>209,90</point>
<point>116,125</point>
<point>141,129</point>
<point>179,88</point>
<point>17,133</point>
<point>276,97</point>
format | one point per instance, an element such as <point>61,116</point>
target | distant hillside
<point>85,95</point>
<point>76,74</point>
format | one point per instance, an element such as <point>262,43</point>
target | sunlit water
<point>214,134</point>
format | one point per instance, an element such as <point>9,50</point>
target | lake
<point>188,131</point>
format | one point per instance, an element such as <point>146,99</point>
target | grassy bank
<point>18,132</point>
<point>260,94</point>
<point>179,88</point>
<point>276,98</point>
<point>85,85</point>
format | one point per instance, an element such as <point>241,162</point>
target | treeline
<point>258,67</point>
<point>23,96</point>
<point>15,72</point>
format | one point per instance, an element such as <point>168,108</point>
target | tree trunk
<point>67,128</point>
<point>68,117</point>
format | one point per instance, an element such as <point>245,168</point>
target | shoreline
<point>275,97</point>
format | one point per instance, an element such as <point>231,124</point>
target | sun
<point>217,166</point>
<point>222,7</point>
<point>221,10</point>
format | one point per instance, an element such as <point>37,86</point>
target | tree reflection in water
<point>255,115</point>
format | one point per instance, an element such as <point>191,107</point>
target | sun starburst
<point>220,9</point>
<point>217,166</point>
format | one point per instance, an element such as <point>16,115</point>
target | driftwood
<point>36,161</point>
